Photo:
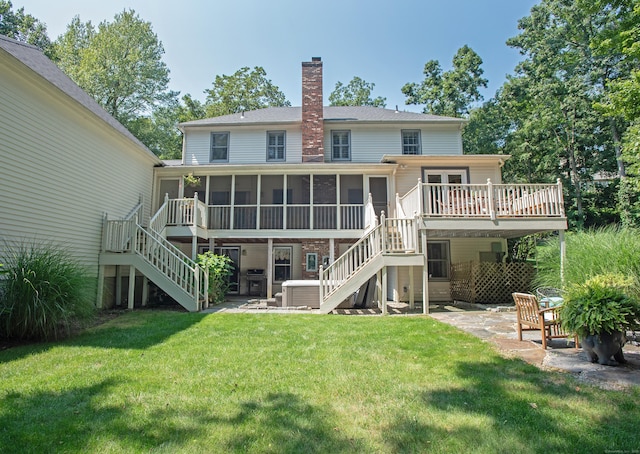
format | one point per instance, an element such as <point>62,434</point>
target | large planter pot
<point>602,347</point>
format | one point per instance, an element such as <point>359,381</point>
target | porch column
<point>332,246</point>
<point>563,253</point>
<point>425,276</point>
<point>194,247</point>
<point>269,268</point>
<point>393,283</point>
<point>132,287</point>
<point>412,302</point>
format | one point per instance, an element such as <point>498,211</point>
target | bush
<point>220,269</point>
<point>590,253</point>
<point>42,292</point>
<point>600,305</point>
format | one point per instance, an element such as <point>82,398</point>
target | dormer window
<point>275,146</point>
<point>411,141</point>
<point>219,147</point>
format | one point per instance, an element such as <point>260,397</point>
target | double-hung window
<point>219,147</point>
<point>275,146</point>
<point>281,263</point>
<point>411,141</point>
<point>340,145</point>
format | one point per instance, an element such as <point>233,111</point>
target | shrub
<point>590,253</point>
<point>600,305</point>
<point>220,269</point>
<point>42,291</point>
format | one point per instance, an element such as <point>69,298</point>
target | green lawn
<point>176,382</point>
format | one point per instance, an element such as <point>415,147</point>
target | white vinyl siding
<point>61,168</point>
<point>369,143</point>
<point>247,145</point>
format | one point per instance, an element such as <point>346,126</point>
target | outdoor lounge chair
<point>530,315</point>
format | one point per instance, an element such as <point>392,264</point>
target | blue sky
<point>386,42</point>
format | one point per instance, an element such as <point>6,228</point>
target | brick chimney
<point>312,115</point>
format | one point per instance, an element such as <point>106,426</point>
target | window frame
<point>341,145</point>
<point>282,265</point>
<point>211,145</point>
<point>418,145</point>
<point>446,260</point>
<point>284,146</point>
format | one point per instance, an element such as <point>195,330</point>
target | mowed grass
<point>176,382</point>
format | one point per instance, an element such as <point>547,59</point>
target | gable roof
<point>292,115</point>
<point>34,59</point>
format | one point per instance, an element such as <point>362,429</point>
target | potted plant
<point>600,311</point>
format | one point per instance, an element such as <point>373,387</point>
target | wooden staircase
<point>126,242</point>
<point>392,242</point>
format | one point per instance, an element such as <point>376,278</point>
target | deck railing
<point>483,200</point>
<point>186,212</point>
<point>389,236</point>
<point>281,216</point>
<point>127,236</point>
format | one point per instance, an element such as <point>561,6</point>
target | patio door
<point>233,252</point>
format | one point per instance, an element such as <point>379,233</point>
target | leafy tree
<point>119,64</point>
<point>356,93</point>
<point>544,115</point>
<point>23,27</point>
<point>623,98</point>
<point>450,93</point>
<point>244,90</point>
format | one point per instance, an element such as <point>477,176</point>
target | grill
<point>255,281</point>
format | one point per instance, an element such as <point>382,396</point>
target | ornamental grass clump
<point>43,291</point>
<point>602,304</point>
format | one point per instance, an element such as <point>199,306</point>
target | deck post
<point>269,268</point>
<point>321,283</point>
<point>132,287</point>
<point>118,285</point>
<point>563,253</point>
<point>425,276</point>
<point>145,290</point>
<point>100,290</point>
<point>490,196</point>
<point>412,302</point>
<point>383,291</point>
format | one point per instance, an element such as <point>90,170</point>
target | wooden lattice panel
<point>492,283</point>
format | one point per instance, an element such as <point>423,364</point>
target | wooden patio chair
<point>530,315</point>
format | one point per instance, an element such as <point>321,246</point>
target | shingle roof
<point>331,114</point>
<point>33,58</point>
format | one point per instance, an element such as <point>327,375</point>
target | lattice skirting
<point>491,283</point>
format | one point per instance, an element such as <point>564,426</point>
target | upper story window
<point>275,146</point>
<point>341,145</point>
<point>219,147</point>
<point>411,141</point>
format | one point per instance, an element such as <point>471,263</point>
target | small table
<point>551,301</point>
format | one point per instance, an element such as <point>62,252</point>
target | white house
<point>284,191</point>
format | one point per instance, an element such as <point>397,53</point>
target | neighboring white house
<point>64,161</point>
<point>284,190</point>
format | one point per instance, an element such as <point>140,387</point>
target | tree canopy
<point>246,89</point>
<point>356,93</point>
<point>119,64</point>
<point>23,27</point>
<point>451,92</point>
